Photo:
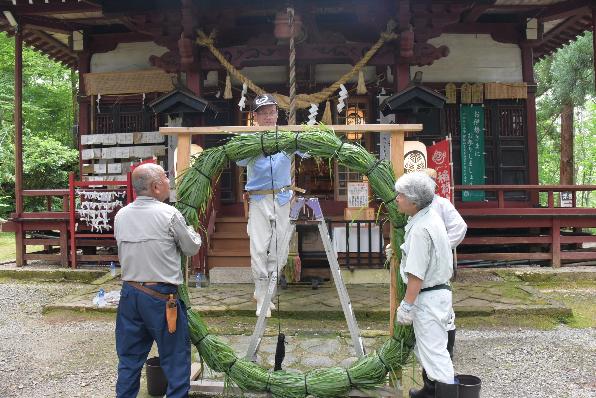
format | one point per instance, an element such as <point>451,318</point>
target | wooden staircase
<point>229,245</point>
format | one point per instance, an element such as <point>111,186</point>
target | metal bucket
<point>156,379</point>
<point>469,386</point>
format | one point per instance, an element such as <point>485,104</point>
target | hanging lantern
<point>282,26</point>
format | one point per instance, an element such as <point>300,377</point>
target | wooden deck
<point>511,230</point>
<point>498,230</point>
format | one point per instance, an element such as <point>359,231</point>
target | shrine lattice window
<point>357,112</point>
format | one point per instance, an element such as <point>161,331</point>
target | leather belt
<point>274,191</point>
<point>442,286</point>
<point>141,286</point>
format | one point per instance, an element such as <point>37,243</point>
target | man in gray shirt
<point>151,236</point>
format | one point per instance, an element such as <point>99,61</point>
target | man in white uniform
<point>426,267</point>
<point>456,231</point>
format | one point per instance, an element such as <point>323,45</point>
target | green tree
<point>565,84</point>
<point>48,117</point>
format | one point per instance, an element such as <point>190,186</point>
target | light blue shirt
<point>259,175</point>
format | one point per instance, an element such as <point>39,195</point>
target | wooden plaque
<point>466,93</point>
<point>451,93</point>
<point>477,93</point>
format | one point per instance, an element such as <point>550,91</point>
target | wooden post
<point>18,142</point>
<point>556,242</point>
<point>72,223</point>
<point>183,154</point>
<point>528,77</point>
<point>397,160</point>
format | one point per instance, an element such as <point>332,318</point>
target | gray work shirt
<point>426,252</point>
<point>150,236</point>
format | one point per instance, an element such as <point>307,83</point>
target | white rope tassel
<point>361,87</point>
<point>343,94</point>
<point>242,102</point>
<point>326,119</point>
<point>312,116</point>
<point>228,88</point>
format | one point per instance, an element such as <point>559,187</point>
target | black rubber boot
<point>450,342</point>
<point>443,390</point>
<point>427,390</point>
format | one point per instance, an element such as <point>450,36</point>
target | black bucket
<point>156,379</point>
<point>469,386</point>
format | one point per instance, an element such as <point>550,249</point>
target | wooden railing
<point>515,224</point>
<point>531,189</point>
<point>48,220</point>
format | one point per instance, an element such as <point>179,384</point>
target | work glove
<point>405,313</point>
<point>388,250</point>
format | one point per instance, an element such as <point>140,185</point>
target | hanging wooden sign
<point>451,93</point>
<point>466,93</point>
<point>477,93</point>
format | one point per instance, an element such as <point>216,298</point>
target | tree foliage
<point>48,143</point>
<point>567,78</point>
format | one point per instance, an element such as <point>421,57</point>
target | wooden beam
<point>477,10</point>
<point>243,56</point>
<point>501,32</point>
<point>341,128</point>
<point>554,33</point>
<point>71,7</point>
<point>50,25</point>
<point>51,40</point>
<point>564,10</point>
<point>504,256</point>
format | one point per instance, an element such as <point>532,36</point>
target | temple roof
<point>48,26</point>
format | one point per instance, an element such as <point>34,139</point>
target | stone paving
<point>475,297</point>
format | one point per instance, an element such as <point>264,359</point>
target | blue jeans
<point>141,320</point>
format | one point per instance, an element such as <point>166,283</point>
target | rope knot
<point>204,40</point>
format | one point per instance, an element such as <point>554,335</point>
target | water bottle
<point>100,298</point>
<point>112,269</point>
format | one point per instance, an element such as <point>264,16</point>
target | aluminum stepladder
<point>300,205</point>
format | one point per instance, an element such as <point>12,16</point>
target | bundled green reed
<point>328,383</point>
<point>249,376</point>
<point>194,192</point>
<point>288,384</point>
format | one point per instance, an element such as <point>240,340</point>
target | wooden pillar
<point>194,82</point>
<point>183,153</point>
<point>18,142</point>
<point>528,77</point>
<point>397,160</point>
<point>18,118</point>
<point>401,76</point>
<point>85,104</point>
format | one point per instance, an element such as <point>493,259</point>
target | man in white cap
<point>268,184</point>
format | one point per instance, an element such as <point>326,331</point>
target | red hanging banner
<point>438,158</point>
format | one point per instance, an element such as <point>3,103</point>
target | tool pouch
<point>171,313</point>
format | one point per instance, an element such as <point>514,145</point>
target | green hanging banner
<point>472,150</point>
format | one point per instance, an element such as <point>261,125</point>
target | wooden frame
<point>397,131</point>
<point>125,186</point>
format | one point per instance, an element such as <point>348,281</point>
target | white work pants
<point>268,224</point>
<point>431,321</point>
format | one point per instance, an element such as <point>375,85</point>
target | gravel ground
<point>73,356</point>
